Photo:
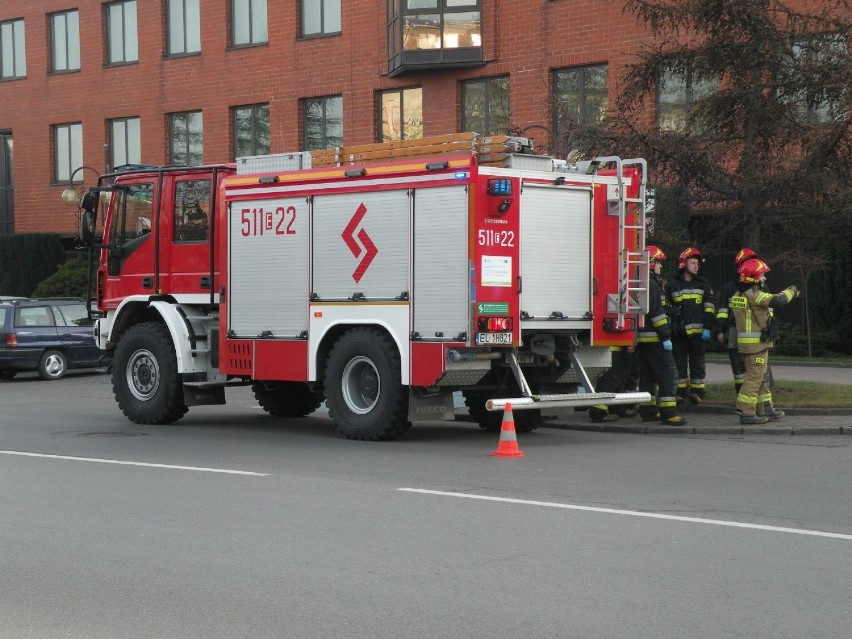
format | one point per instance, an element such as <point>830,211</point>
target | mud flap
<point>430,407</point>
<point>203,395</point>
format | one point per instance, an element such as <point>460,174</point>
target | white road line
<point>132,463</point>
<point>632,513</point>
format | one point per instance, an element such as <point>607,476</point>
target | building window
<point>122,38</point>
<point>248,22</point>
<point>579,95</point>
<point>251,130</point>
<point>401,114</point>
<point>485,106</point>
<point>13,58</point>
<point>320,17</point>
<point>433,33</point>
<point>323,122</point>
<point>822,100</point>
<point>676,95</point>
<point>183,27</point>
<point>65,41</point>
<point>125,142</point>
<point>185,139</point>
<point>67,151</point>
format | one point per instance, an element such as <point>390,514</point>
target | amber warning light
<point>495,324</point>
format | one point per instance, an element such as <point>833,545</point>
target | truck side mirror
<point>87,227</point>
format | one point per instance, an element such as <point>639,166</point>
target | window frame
<point>127,140</point>
<point>323,31</point>
<point>53,17</point>
<point>185,17</point>
<point>488,128</point>
<point>691,93</point>
<point>16,30</point>
<point>74,133</point>
<point>172,120</point>
<point>402,16</point>
<point>324,100</point>
<point>380,107</point>
<point>255,110</point>
<point>252,41</point>
<point>129,41</point>
<point>583,104</point>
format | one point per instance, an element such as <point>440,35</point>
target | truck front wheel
<point>147,386</point>
<point>363,386</point>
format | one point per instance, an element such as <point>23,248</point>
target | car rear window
<point>33,316</point>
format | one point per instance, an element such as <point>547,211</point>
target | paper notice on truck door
<point>496,270</point>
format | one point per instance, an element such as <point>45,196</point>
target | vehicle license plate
<point>494,338</point>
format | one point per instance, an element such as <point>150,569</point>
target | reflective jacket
<point>656,328</point>
<point>752,312</point>
<point>695,300</point>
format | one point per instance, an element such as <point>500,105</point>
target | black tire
<point>7,374</point>
<point>147,386</point>
<point>52,365</point>
<point>526,421</point>
<point>363,386</point>
<point>286,399</point>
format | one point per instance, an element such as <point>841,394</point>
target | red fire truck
<point>382,287</point>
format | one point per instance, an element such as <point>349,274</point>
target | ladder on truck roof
<point>632,295</point>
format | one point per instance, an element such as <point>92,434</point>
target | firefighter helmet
<point>751,270</point>
<point>686,254</point>
<point>655,253</point>
<point>744,254</point>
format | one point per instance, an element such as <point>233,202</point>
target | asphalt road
<point>234,524</point>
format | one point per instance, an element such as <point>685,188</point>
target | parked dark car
<point>46,335</point>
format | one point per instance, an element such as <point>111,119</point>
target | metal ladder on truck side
<point>633,272</point>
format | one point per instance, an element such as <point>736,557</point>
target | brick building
<point>99,84</point>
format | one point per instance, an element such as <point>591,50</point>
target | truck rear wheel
<point>286,399</point>
<point>147,386</point>
<point>363,386</point>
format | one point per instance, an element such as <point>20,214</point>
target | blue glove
<point>667,344</point>
<point>705,334</point>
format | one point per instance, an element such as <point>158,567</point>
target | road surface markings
<point>632,513</point>
<point>132,463</point>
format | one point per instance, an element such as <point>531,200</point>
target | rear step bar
<point>528,401</point>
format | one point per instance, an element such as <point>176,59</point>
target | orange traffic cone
<point>508,445</point>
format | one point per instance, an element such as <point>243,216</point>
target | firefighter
<point>619,378</point>
<point>726,329</point>
<point>692,299</point>
<point>756,334</point>
<point>654,351</point>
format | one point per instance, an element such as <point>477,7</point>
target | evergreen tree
<point>742,109</point>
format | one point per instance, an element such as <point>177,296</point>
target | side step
<point>567,400</point>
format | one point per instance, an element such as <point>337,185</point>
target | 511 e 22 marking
<point>257,222</point>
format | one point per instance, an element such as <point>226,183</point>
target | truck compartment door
<point>360,245</point>
<point>268,276</point>
<point>440,296</point>
<point>556,239</point>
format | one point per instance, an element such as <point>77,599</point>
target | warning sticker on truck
<point>496,270</point>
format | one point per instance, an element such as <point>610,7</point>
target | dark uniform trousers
<point>691,369</point>
<point>657,377</point>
